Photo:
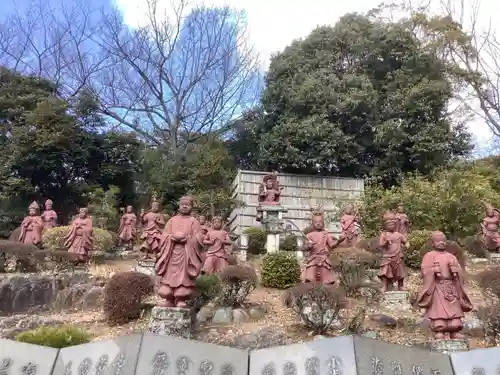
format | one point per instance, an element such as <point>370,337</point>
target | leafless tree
<point>184,74</point>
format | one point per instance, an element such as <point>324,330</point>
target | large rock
<point>28,292</point>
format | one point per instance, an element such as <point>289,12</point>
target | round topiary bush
<point>354,255</point>
<point>256,240</point>
<point>417,239</point>
<point>370,244</point>
<point>124,294</point>
<point>474,245</point>
<point>208,287</point>
<point>53,239</point>
<point>280,270</point>
<point>55,337</point>
<point>289,243</point>
<point>237,283</point>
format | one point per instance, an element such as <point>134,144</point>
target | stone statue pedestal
<point>172,321</point>
<point>300,255</point>
<point>241,255</point>
<point>146,267</point>
<point>494,258</point>
<point>271,217</point>
<point>449,346</point>
<point>396,300</point>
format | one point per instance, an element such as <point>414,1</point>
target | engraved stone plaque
<point>396,300</point>
<point>477,361</point>
<point>169,355</point>
<point>146,267</point>
<point>494,257</point>
<point>375,357</point>
<point>171,321</point>
<point>319,357</point>
<point>18,358</point>
<point>108,357</point>
<point>449,346</point>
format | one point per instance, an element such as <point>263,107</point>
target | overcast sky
<point>273,24</point>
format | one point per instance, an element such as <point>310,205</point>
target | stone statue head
<point>185,205</point>
<point>130,209</point>
<point>269,181</point>
<point>318,221</point>
<point>348,210</point>
<point>489,211</point>
<point>217,222</point>
<point>84,211</point>
<point>438,241</point>
<point>401,209</point>
<point>48,205</point>
<point>155,206</point>
<point>33,209</point>
<point>202,219</point>
<point>389,221</point>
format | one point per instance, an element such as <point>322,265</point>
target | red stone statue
<point>49,216</point>
<point>490,218</point>
<point>217,240</point>
<point>32,226</point>
<point>392,267</point>
<point>403,222</point>
<point>349,222</point>
<point>205,227</point>
<point>127,232</point>
<point>153,224</point>
<point>442,294</point>
<point>319,243</point>
<point>270,190</point>
<point>80,239</point>
<point>491,237</point>
<point>180,258</point>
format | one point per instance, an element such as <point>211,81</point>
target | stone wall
<point>145,354</point>
<point>20,293</point>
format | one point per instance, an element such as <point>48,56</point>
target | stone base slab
<point>146,267</point>
<point>450,346</point>
<point>172,321</point>
<point>494,258</point>
<point>397,300</point>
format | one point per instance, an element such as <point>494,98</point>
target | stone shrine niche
<point>109,357</point>
<point>374,357</point>
<point>17,358</point>
<point>311,358</point>
<point>188,357</point>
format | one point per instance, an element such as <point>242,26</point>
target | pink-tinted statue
<point>490,218</point>
<point>180,259</point>
<point>49,216</point>
<point>32,226</point>
<point>403,222</point>
<point>349,222</point>
<point>205,227</point>
<point>319,243</point>
<point>442,294</point>
<point>153,224</point>
<point>217,240</point>
<point>491,237</point>
<point>80,239</point>
<point>128,228</point>
<point>392,267</point>
<point>270,190</point>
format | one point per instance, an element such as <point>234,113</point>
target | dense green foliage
<point>256,240</point>
<point>289,243</point>
<point>55,337</point>
<point>280,270</point>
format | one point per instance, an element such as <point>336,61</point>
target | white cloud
<point>273,24</point>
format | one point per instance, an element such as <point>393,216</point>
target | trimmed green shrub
<point>124,294</point>
<point>237,283</point>
<point>256,240</point>
<point>289,243</point>
<point>55,337</point>
<point>417,239</point>
<point>208,286</point>
<point>280,270</point>
<point>53,239</point>
<point>474,245</point>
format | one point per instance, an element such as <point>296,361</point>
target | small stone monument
<point>270,211</point>
<point>450,346</point>
<point>172,321</point>
<point>145,266</point>
<point>241,253</point>
<point>397,300</point>
<point>494,257</point>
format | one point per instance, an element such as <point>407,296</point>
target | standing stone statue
<point>49,216</point>
<point>205,227</point>
<point>270,190</point>
<point>127,232</point>
<point>442,294</point>
<point>319,243</point>
<point>153,224</point>
<point>217,240</point>
<point>490,218</point>
<point>349,223</point>
<point>80,239</point>
<point>180,259</point>
<point>403,222</point>
<point>392,267</point>
<point>32,226</point>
